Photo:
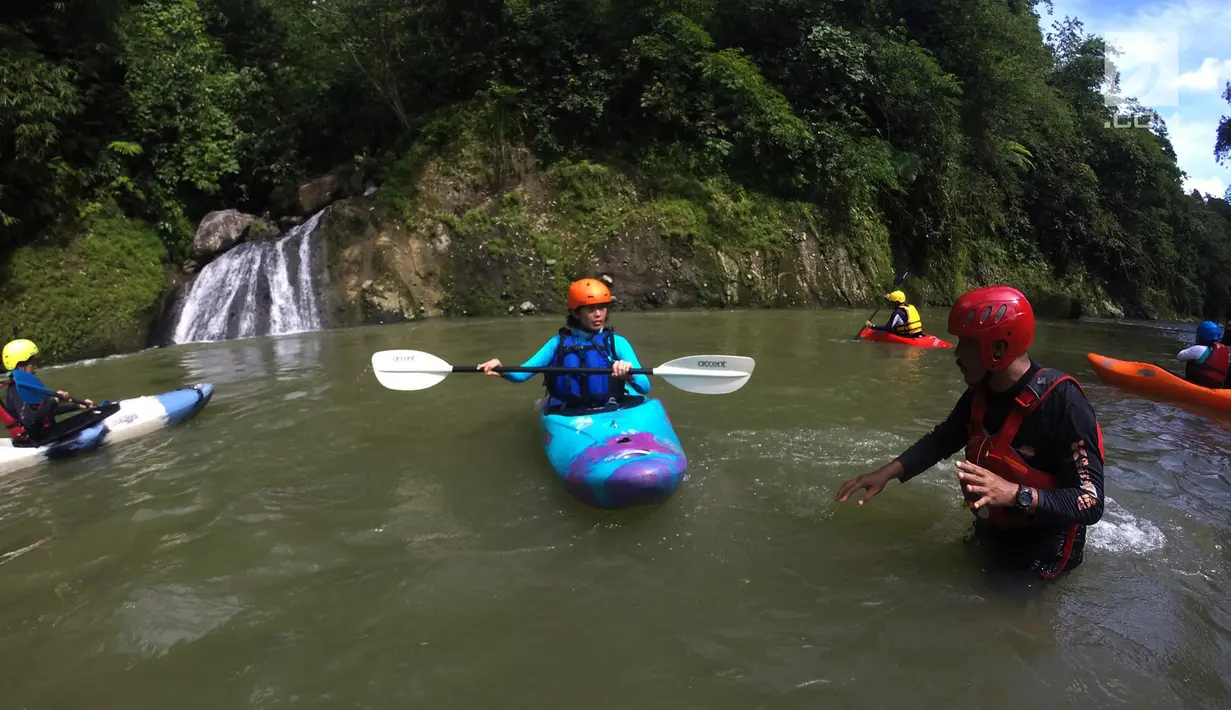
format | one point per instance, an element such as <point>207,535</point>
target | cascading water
<point>258,288</point>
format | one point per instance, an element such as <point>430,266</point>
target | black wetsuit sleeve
<point>1076,462</point>
<point>943,441</point>
<point>50,407</point>
<point>898,316</point>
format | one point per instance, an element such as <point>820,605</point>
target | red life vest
<point>1213,372</point>
<point>995,452</point>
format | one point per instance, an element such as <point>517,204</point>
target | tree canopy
<point>959,124</point>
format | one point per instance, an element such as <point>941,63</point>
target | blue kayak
<point>112,423</point>
<point>615,458</point>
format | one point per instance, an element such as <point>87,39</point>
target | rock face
<point>379,271</point>
<point>488,233</point>
<point>481,231</point>
<point>167,311</point>
<point>373,272</point>
<point>1057,306</point>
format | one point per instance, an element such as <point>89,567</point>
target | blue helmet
<point>1208,332</point>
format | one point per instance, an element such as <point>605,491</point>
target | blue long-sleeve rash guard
<point>623,351</point>
<point>30,388</point>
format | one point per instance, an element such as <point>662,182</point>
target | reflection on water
<point>154,620</point>
<point>280,358</point>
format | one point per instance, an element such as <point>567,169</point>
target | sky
<point>1153,34</point>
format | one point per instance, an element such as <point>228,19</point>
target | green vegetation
<point>954,137</point>
<point>88,294</point>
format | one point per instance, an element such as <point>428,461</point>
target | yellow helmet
<point>895,297</point>
<point>17,352</point>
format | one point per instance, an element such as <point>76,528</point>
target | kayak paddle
<point>896,282</point>
<point>700,374</point>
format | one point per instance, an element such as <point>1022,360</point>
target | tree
<point>1222,143</point>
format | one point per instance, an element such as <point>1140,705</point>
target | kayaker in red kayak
<point>584,341</point>
<point>904,321</point>
<point>1208,360</point>
<point>1033,474</point>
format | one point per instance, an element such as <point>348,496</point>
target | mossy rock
<point>262,229</point>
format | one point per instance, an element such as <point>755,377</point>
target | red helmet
<point>587,292</point>
<point>991,314</point>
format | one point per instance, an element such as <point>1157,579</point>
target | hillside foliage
<point>974,137</point>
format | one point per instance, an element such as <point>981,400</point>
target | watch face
<point>1023,497</point>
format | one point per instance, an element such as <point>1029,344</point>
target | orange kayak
<point>1155,381</point>
<point>923,341</point>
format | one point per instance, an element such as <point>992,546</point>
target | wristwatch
<point>1025,497</point>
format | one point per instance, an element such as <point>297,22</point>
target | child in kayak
<point>28,402</point>
<point>904,321</point>
<point>1208,360</point>
<point>585,341</point>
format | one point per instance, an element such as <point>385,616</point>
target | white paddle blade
<point>408,370</point>
<point>707,374</point>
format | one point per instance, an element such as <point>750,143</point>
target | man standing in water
<point>1033,474</point>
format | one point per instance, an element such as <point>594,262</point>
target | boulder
<point>219,231</point>
<point>315,195</point>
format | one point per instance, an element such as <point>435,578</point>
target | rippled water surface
<point>315,540</point>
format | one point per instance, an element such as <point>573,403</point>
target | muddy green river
<point>314,540</point>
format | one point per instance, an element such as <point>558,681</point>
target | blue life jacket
<point>581,391</point>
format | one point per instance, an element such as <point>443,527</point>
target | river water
<point>314,540</point>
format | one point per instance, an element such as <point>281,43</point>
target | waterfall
<point>258,288</point>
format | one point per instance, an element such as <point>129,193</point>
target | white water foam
<point>1120,531</point>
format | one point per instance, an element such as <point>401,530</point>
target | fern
<point>125,147</point>
<point>1019,155</point>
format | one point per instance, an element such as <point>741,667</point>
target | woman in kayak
<point>1033,474</point>
<point>1208,360</point>
<point>28,402</point>
<point>904,321</point>
<point>584,341</point>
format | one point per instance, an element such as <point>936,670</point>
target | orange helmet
<point>587,292</point>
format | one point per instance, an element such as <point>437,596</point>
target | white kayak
<point>132,418</point>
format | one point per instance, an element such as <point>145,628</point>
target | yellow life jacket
<point>913,325</point>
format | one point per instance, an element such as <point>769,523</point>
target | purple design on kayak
<point>627,469</point>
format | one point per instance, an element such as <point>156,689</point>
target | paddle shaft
<point>409,370</point>
<point>555,370</point>
<point>878,310</point>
